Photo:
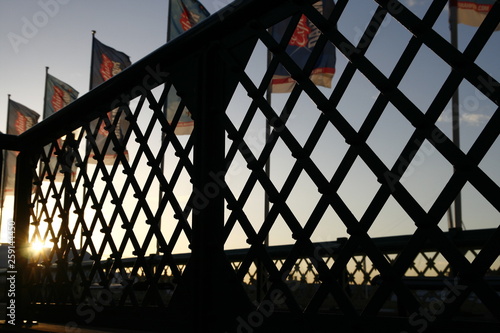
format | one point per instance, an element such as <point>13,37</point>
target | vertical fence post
<point>208,218</point>
<point>209,296</point>
<point>22,209</point>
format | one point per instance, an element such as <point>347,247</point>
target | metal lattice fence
<point>116,229</point>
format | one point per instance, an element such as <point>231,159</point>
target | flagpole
<point>88,147</point>
<point>267,166</point>
<point>4,166</point>
<point>261,281</point>
<point>45,94</point>
<point>163,135</point>
<point>457,223</point>
<point>91,59</point>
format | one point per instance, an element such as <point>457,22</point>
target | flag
<point>183,15</point>
<point>473,12</point>
<point>58,94</point>
<point>299,48</point>
<point>19,119</point>
<point>106,63</point>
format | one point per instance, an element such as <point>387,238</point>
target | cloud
<point>474,118</point>
<point>412,3</point>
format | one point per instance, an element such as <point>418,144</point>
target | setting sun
<point>38,246</point>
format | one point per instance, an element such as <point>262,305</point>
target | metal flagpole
<point>4,167</point>
<point>91,59</point>
<point>45,94</point>
<point>261,280</point>
<point>88,145</point>
<point>163,135</point>
<point>268,134</point>
<point>457,223</point>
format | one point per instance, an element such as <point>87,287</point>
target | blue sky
<point>57,33</point>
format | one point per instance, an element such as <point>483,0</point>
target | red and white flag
<point>473,12</point>
<point>19,119</point>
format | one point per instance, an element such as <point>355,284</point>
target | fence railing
<point>164,194</point>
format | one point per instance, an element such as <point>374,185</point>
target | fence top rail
<point>234,20</point>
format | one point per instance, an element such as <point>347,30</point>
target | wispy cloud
<point>473,119</point>
<point>412,3</point>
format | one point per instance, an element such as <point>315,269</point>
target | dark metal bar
<point>26,162</point>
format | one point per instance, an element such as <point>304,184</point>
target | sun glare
<point>38,246</point>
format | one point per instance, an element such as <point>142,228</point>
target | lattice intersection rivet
<point>110,128</point>
<point>232,205</point>
<point>300,154</point>
<point>420,123</point>
<point>354,140</point>
<point>87,184</point>
<point>325,189</point>
<point>276,49</point>
<point>254,93</point>
<point>354,230</point>
<point>253,165</point>
<point>119,149</point>
<point>235,136</point>
<point>299,77</point>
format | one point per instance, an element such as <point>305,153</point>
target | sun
<point>38,246</point>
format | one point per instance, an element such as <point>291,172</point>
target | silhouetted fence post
<point>26,163</point>
<point>209,288</point>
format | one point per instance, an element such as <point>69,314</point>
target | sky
<point>57,34</point>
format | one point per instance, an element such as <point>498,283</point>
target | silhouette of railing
<point>139,204</point>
